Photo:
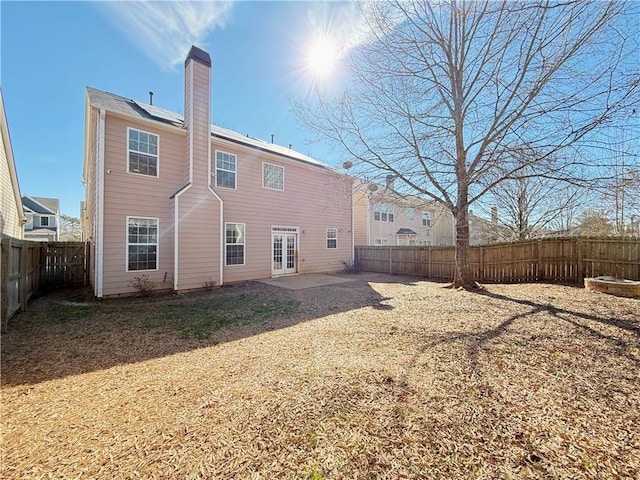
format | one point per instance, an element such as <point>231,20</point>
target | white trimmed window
<point>426,219</point>
<point>332,238</point>
<point>380,241</point>
<point>383,212</point>
<point>44,221</point>
<point>272,176</point>
<point>225,170</point>
<point>142,152</point>
<point>410,212</point>
<point>142,243</point>
<point>234,241</point>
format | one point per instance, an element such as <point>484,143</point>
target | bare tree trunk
<point>463,275</point>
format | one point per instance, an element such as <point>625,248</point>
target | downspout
<point>353,227</point>
<point>453,230</point>
<point>222,233</point>
<point>99,266</point>
<point>369,221</point>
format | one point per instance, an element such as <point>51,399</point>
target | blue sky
<point>51,51</point>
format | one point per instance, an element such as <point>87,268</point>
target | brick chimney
<point>197,113</point>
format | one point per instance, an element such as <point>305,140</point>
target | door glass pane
<point>277,252</point>
<point>291,251</point>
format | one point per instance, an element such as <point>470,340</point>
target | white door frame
<point>285,244</point>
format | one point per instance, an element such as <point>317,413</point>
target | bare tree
<point>446,93</point>
<point>593,222</point>
<point>70,229</point>
<point>620,192</point>
<point>529,207</point>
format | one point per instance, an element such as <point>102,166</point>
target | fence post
<point>43,265</point>
<point>22,288</point>
<point>481,253</point>
<point>390,260</point>
<point>5,248</point>
<point>539,275</point>
<point>579,259</point>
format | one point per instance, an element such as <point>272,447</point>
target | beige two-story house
<point>187,203</point>
<point>382,216</point>
<point>43,218</point>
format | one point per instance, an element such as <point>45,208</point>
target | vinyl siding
<point>440,231</point>
<point>360,217</point>
<point>313,200</point>
<point>89,227</point>
<point>9,215</point>
<point>198,208</point>
<point>138,196</point>
<point>199,238</point>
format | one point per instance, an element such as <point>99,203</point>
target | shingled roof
<point>132,108</point>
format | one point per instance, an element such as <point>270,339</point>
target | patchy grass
<point>70,313</point>
<point>516,382</point>
<point>201,318</point>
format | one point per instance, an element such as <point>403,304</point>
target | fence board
<point>568,259</point>
<point>27,268</point>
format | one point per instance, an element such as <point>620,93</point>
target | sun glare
<point>322,57</point>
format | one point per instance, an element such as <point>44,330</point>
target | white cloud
<point>166,30</point>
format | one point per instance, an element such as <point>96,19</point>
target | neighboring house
<point>187,203</point>
<point>43,218</point>
<point>485,232</point>
<point>11,212</point>
<point>384,217</point>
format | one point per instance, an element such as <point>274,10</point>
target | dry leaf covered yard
<point>381,377</point>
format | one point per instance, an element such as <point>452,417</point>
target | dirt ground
<point>383,377</point>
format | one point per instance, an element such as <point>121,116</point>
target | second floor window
<point>383,212</point>
<point>44,221</point>
<point>272,176</point>
<point>410,213</point>
<point>225,170</point>
<point>426,219</point>
<point>142,152</point>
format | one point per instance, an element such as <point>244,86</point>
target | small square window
<point>272,176</point>
<point>44,221</point>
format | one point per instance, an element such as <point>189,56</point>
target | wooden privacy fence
<point>554,259</point>
<point>27,268</point>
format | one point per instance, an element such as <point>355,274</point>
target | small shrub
<point>351,267</point>
<point>142,284</point>
<point>209,284</point>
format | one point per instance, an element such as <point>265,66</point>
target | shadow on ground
<point>69,333</point>
<point>621,336</point>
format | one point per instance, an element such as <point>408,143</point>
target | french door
<point>284,253</point>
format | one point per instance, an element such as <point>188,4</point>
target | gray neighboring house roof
<point>41,205</point>
<point>405,231</point>
<point>132,108</point>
